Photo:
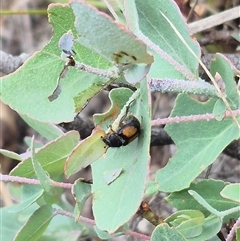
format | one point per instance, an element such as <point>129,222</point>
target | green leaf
<point>215,238</point>
<point>210,208</point>
<point>30,194</point>
<point>231,192</point>
<point>116,8</point>
<point>103,235</point>
<point>198,143</point>
<point>131,15</point>
<point>151,188</point>
<point>28,140</point>
<point>11,154</point>
<point>118,98</point>
<point>47,130</point>
<point>36,225</point>
<point>209,190</point>
<point>62,228</point>
<point>204,228</point>
<point>40,173</point>
<point>219,109</point>
<point>51,157</point>
<point>155,26</point>
<point>97,31</point>
<point>38,75</point>
<point>187,222</point>
<point>81,192</point>
<point>227,71</point>
<point>120,200</point>
<point>211,226</point>
<point>11,222</point>
<point>164,233</point>
<point>85,153</point>
<point>238,233</point>
<point>91,148</point>
<point>52,197</point>
<point>136,72</point>
<point>204,203</point>
<point>89,89</point>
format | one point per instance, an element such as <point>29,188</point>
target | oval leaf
<point>36,224</point>
<point>85,153</point>
<point>231,192</point>
<point>81,192</point>
<point>51,157</point>
<point>113,41</point>
<point>120,200</point>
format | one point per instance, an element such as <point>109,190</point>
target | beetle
<point>129,129</point>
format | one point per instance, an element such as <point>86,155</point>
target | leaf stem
<point>178,119</point>
<point>71,215</point>
<point>204,203</point>
<point>182,86</point>
<point>110,74</point>
<point>230,211</point>
<point>199,87</point>
<point>6,178</point>
<point>92,222</point>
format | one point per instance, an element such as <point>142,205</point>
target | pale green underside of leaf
<point>232,192</point>
<point>42,176</point>
<point>164,232</point>
<point>119,200</point>
<point>47,130</point>
<point>108,38</point>
<point>81,192</point>
<point>36,225</point>
<point>11,154</point>
<point>30,194</point>
<point>183,200</point>
<point>210,227</point>
<point>85,153</point>
<point>227,71</point>
<point>198,144</point>
<point>60,229</point>
<point>12,221</point>
<point>118,98</point>
<point>27,89</point>
<point>51,157</point>
<point>153,25</point>
<point>188,222</point>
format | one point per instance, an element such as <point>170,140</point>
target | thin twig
<point>9,178</point>
<point>192,11</point>
<point>178,119</point>
<point>214,20</point>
